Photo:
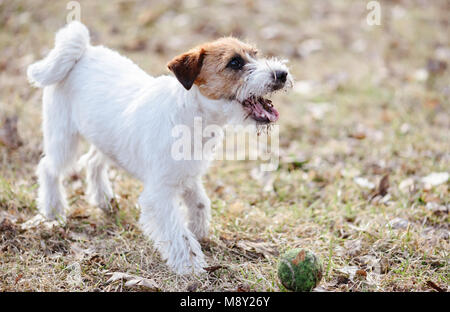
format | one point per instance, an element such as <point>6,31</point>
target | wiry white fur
<point>127,116</point>
<point>70,43</point>
<point>258,79</point>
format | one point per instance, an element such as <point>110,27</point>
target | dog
<point>127,116</point>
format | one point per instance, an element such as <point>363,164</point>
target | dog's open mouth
<point>260,109</point>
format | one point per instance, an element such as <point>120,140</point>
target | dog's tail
<point>70,44</point>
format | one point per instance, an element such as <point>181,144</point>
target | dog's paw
<point>201,232</point>
<point>186,257</point>
<point>192,266</point>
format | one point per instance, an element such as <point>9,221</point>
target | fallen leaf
<point>435,287</point>
<point>219,189</point>
<point>79,212</point>
<point>348,271</point>
<point>358,135</point>
<point>8,228</point>
<point>257,249</point>
<point>19,276</point>
<point>353,247</point>
<point>39,220</point>
<point>213,268</point>
<point>382,188</point>
<point>398,223</point>
<point>363,182</point>
<point>435,178</point>
<point>361,273</point>
<point>193,286</point>
<point>384,185</point>
<point>97,259</point>
<point>373,264</point>
<point>139,281</point>
<point>80,252</point>
<point>342,279</point>
<point>243,288</point>
<point>133,280</point>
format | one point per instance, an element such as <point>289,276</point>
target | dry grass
<point>368,102</point>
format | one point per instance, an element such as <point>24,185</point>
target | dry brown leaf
<point>398,223</point>
<point>133,280</point>
<point>193,286</point>
<point>361,273</point>
<point>384,185</point>
<point>358,135</point>
<point>213,268</point>
<point>18,278</point>
<point>79,252</point>
<point>435,287</point>
<point>8,228</point>
<point>353,247</point>
<point>382,189</point>
<point>243,288</point>
<point>257,249</point>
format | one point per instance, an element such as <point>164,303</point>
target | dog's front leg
<point>163,220</point>
<point>199,208</point>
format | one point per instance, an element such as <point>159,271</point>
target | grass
<point>359,109</point>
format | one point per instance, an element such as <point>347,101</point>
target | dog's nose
<point>280,76</point>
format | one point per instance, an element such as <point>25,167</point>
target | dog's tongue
<point>270,113</point>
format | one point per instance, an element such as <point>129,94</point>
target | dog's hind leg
<point>60,145</point>
<point>99,190</point>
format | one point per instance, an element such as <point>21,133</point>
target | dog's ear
<point>187,66</point>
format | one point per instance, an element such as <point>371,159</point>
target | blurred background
<point>369,102</point>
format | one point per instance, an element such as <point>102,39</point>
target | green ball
<point>299,270</point>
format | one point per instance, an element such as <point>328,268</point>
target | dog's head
<point>228,69</point>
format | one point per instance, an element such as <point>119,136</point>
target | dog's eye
<point>236,63</point>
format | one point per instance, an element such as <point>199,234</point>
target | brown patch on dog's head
<point>217,67</point>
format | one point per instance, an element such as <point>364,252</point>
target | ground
<point>364,150</point>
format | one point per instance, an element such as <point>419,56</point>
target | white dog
<point>128,116</point>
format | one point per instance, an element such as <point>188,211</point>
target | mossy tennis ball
<point>299,270</point>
